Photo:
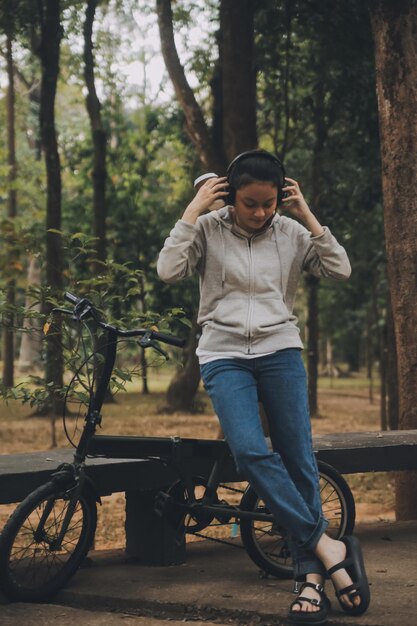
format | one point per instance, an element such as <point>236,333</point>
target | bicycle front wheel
<point>34,564</point>
<point>265,542</point>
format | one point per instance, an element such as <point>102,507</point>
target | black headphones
<point>258,153</point>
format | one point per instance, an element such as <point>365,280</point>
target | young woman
<point>249,259</point>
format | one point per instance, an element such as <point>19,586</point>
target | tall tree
<point>48,51</point>
<point>237,63</point>
<point>312,283</point>
<point>99,138</point>
<point>196,124</point>
<point>8,333</point>
<point>394,25</point>
<point>235,116</point>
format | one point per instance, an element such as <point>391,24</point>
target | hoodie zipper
<point>251,294</point>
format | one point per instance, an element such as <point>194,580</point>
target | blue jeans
<point>286,477</point>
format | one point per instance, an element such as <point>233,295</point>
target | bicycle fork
<point>40,534</point>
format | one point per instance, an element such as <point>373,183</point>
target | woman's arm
<point>184,248</point>
<point>324,257</point>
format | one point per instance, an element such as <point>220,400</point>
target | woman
<point>249,259</point>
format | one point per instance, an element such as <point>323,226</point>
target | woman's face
<point>254,205</point>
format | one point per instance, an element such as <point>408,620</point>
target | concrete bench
<point>147,536</point>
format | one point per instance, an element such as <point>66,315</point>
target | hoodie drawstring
<point>223,255</point>
<point>279,259</point>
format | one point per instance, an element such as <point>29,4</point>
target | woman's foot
<point>312,604</point>
<point>343,561</point>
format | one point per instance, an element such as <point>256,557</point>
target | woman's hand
<point>294,201</point>
<point>295,204</point>
<point>206,198</point>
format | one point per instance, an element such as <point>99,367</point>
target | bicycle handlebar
<point>83,308</point>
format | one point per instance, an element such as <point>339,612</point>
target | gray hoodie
<point>248,284</point>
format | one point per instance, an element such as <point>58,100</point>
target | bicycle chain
<point>232,488</point>
<point>216,540</point>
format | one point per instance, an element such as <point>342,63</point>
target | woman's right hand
<point>212,191</point>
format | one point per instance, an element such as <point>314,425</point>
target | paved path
<point>220,584</point>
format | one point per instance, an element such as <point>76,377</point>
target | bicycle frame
<point>75,473</point>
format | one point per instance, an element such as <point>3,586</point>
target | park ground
<point>344,406</point>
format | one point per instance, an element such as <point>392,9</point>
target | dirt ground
<point>51,614</point>
<point>344,407</point>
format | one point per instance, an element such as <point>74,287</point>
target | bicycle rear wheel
<point>32,567</point>
<point>265,542</point>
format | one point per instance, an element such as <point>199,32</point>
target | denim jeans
<point>286,477</point>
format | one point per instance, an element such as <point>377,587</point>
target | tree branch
<point>196,125</point>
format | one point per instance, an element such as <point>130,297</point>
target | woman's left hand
<point>294,202</point>
<point>296,205</point>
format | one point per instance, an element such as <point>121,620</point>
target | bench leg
<point>150,538</point>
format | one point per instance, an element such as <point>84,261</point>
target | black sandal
<point>355,567</point>
<point>310,617</point>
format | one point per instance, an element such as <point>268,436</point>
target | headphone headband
<point>258,152</point>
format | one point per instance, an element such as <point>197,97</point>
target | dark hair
<point>252,166</point>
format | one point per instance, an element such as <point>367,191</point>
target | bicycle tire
<point>30,569</point>
<point>265,542</point>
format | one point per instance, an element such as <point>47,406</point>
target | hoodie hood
<point>225,217</point>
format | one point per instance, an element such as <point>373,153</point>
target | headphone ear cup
<point>282,194</point>
<point>230,199</point>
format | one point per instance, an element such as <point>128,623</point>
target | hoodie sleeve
<point>325,257</point>
<point>181,253</point>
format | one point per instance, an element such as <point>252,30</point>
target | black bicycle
<point>49,534</point>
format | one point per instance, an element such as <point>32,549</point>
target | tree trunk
<point>99,141</point>
<point>383,371</point>
<point>194,119</point>
<point>234,86</point>
<point>31,343</point>
<point>380,335</point>
<point>8,319</point>
<point>184,384</point>
<point>238,76</point>
<point>392,371</point>
<point>30,347</point>
<point>394,26</point>
<point>51,33</point>
<point>311,281</point>
<point>143,359</point>
<point>369,357</point>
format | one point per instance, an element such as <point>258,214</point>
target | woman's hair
<point>253,166</point>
